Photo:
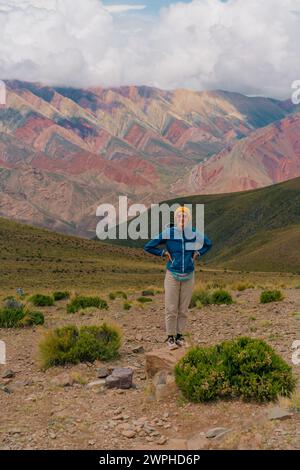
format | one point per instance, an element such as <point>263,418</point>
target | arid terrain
<point>39,411</point>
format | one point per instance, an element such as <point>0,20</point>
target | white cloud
<point>244,45</point>
<point>123,8</point>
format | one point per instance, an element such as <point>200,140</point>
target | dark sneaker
<point>180,341</point>
<point>171,343</point>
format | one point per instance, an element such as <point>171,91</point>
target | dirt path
<point>41,415</point>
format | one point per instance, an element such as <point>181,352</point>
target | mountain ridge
<point>82,147</point>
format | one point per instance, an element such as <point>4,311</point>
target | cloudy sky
<point>250,46</point>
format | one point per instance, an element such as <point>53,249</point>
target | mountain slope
<point>267,156</point>
<point>78,148</point>
<point>255,230</point>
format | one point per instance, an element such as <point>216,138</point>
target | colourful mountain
<point>63,151</point>
<point>267,156</point>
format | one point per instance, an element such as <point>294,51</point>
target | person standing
<point>173,243</point>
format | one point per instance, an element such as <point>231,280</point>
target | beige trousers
<point>177,299</point>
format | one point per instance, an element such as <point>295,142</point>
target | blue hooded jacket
<point>181,244</point>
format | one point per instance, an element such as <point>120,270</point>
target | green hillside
<point>256,230</point>
<point>34,257</point>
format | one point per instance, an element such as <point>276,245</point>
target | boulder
<point>120,377</point>
<point>162,359</point>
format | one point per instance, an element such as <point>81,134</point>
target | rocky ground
<point>61,409</point>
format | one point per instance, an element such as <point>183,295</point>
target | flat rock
<point>162,359</point>
<point>279,413</point>
<point>216,432</point>
<point>96,383</point>
<point>8,374</point>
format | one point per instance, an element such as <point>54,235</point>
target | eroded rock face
<point>162,360</point>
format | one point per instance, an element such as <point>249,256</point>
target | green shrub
<point>243,367</point>
<point>73,345</point>
<point>221,297</point>
<point>148,292</point>
<point>60,295</point>
<point>33,318</point>
<point>200,298</point>
<point>119,294</point>
<point>271,296</point>
<point>40,300</point>
<point>16,318</point>
<point>127,305</point>
<point>144,300</point>
<point>80,302</point>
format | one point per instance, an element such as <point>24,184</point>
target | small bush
<point>119,294</point>
<point>73,345</point>
<point>148,292</point>
<point>243,367</point>
<point>33,318</point>
<point>144,300</point>
<point>17,318</point>
<point>221,297</point>
<point>126,306</point>
<point>60,295</point>
<point>81,302</point>
<point>200,298</point>
<point>40,300</point>
<point>271,296</point>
